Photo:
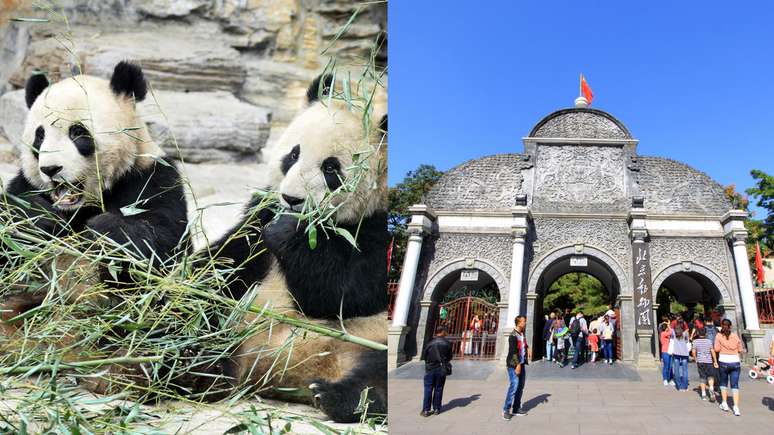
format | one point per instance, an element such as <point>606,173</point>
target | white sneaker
<point>672,383</point>
<point>724,407</point>
<point>736,411</point>
<point>666,383</point>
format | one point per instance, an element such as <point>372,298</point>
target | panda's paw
<point>337,400</point>
<point>278,232</point>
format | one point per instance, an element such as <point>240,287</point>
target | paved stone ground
<point>593,399</point>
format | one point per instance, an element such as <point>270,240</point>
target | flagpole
<point>580,86</point>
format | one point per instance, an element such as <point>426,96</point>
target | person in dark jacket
<point>518,356</point>
<point>438,353</point>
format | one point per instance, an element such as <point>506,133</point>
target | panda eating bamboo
<point>269,257</point>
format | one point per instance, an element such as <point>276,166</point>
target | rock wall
<point>227,75</point>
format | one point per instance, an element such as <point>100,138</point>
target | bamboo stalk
<point>80,364</point>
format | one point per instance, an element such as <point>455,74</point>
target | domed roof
<point>669,187</point>
<point>487,183</point>
<point>580,122</point>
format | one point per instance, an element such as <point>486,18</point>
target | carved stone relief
<point>580,124</point>
<point>709,252</point>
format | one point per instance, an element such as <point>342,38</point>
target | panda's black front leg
<point>334,277</point>
<point>340,399</point>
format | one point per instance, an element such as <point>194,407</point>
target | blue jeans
<point>580,345</point>
<point>515,389</point>
<point>434,382</point>
<point>680,365</point>
<point>729,371</point>
<point>666,370</point>
<point>607,349</point>
<point>549,349</point>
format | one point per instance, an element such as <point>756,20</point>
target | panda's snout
<point>292,200</point>
<point>51,170</point>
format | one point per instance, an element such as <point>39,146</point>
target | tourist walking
<point>562,342</point>
<point>680,351</point>
<point>706,363</point>
<point>579,331</point>
<point>516,361</point>
<point>438,354</point>
<point>666,355</point>
<point>729,349</point>
<point>608,331</point>
<point>548,336</point>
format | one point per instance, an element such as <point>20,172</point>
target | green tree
<point>755,228</point>
<point>402,196</point>
<point>577,290</point>
<point>763,192</point>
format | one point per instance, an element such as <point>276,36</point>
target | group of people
<point>438,355</point>
<point>572,333</point>
<point>481,332</point>
<point>716,349</point>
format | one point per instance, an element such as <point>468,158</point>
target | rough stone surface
<point>205,126</point>
<point>487,183</point>
<point>580,123</point>
<point>264,52</point>
<point>674,187</point>
<point>13,111</point>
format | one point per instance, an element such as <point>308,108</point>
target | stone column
<point>642,290</point>
<point>519,233</point>
<point>420,224</point>
<point>736,233</point>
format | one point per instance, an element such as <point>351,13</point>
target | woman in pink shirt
<point>729,349</point>
<point>666,358</point>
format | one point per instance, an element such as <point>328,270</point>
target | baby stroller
<point>763,367</point>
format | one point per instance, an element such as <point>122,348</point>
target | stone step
<point>202,126</point>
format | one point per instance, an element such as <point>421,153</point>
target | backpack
<point>575,328</point>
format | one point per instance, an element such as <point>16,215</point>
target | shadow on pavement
<point>460,402</point>
<point>534,402</point>
<point>768,402</point>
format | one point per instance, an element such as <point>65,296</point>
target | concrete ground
<point>593,399</point>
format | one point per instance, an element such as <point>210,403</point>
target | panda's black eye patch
<point>331,168</point>
<point>81,139</point>
<point>40,134</point>
<point>291,158</point>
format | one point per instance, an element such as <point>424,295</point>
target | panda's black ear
<point>326,80</point>
<point>36,84</point>
<point>383,123</point>
<point>129,80</point>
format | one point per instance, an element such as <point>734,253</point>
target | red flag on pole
<point>389,254</point>
<point>759,278</point>
<point>586,89</point>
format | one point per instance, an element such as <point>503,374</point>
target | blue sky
<point>695,84</point>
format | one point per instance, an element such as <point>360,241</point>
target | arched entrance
<point>587,260</point>
<point>465,297</point>
<point>695,289</point>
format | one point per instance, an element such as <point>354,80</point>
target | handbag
<point>446,365</point>
<point>671,347</point>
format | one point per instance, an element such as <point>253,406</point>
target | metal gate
<point>472,327</point>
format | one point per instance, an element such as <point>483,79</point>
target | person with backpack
<point>438,355</point>
<point>579,331</point>
<point>519,354</point>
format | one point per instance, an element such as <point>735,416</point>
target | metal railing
<point>764,299</point>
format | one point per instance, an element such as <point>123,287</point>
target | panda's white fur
<point>336,371</point>
<point>325,129</point>
<point>121,138</point>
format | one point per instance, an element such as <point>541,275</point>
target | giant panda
<point>86,158</point>
<point>335,283</point>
